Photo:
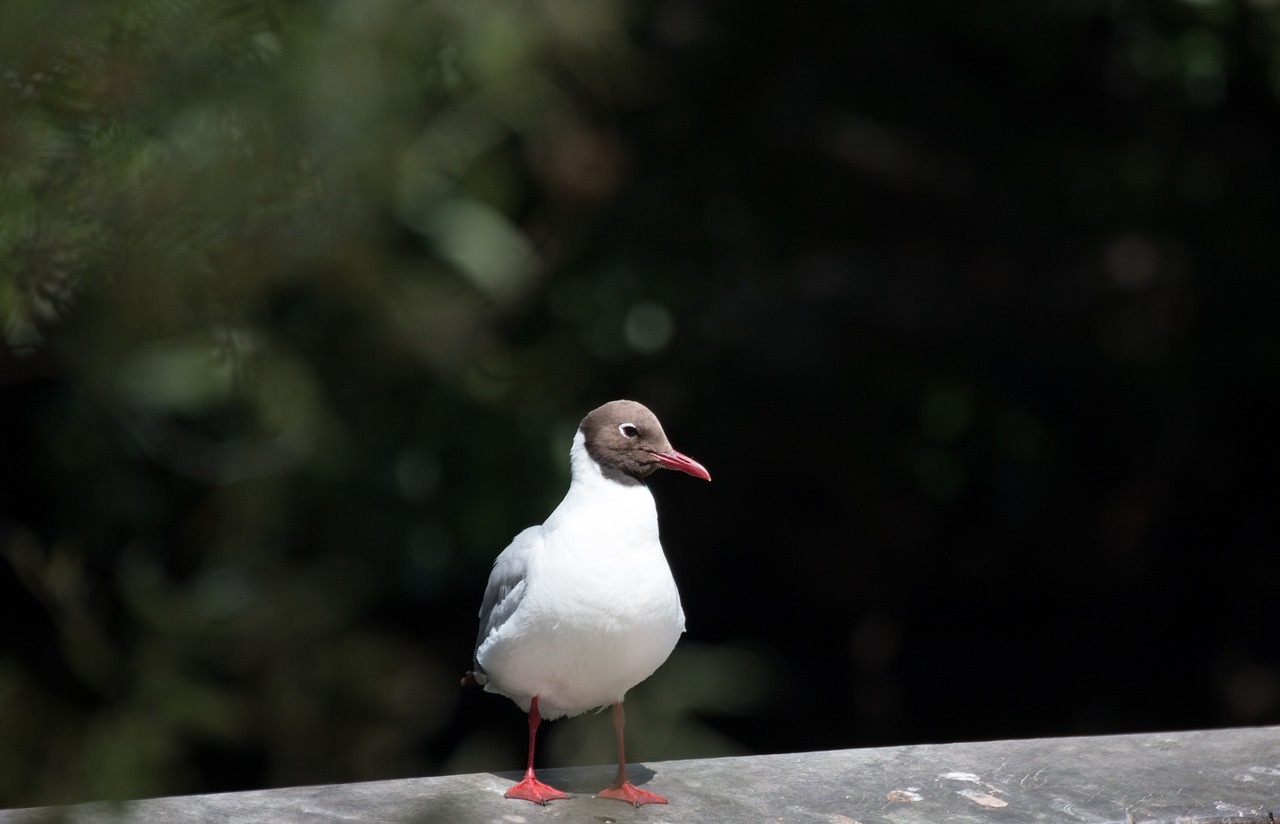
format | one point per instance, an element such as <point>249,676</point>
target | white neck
<point>610,505</point>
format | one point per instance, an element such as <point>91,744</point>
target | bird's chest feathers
<point>604,561</point>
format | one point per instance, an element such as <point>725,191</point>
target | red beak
<point>687,465</point>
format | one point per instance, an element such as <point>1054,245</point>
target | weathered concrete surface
<point>1214,776</point>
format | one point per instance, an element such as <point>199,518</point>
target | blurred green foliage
<point>182,166</point>
<point>970,309</point>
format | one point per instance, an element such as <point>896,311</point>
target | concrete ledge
<point>1213,776</point>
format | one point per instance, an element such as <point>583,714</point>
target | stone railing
<point>1185,777</point>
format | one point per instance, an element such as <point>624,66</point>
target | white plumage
<point>583,607</point>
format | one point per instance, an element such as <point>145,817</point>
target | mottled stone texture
<point>1211,776</point>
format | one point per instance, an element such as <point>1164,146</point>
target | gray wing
<point>506,584</point>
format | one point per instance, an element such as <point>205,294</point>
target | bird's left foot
<point>630,793</point>
<point>531,789</point>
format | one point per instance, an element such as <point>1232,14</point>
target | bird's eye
<point>628,430</point>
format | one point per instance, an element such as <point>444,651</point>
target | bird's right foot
<point>630,793</point>
<point>531,789</point>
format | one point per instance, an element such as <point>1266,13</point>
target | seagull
<point>582,608</point>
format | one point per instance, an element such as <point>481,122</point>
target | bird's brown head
<point>628,443</point>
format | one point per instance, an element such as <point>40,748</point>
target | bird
<point>579,610</point>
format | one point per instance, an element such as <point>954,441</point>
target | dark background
<point>970,311</point>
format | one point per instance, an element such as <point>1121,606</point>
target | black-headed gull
<point>582,608</point>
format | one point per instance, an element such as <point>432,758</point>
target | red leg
<point>530,788</point>
<point>621,789</point>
